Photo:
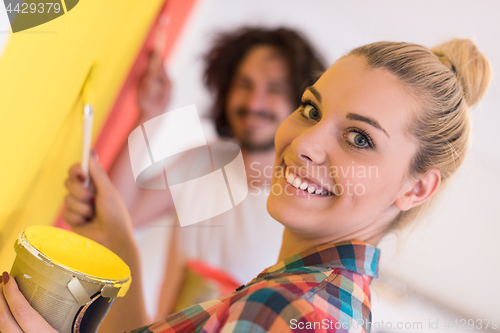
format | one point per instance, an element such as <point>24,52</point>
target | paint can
<point>67,278</point>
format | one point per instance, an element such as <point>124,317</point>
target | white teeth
<point>296,182</point>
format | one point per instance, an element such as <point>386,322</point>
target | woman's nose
<point>310,147</point>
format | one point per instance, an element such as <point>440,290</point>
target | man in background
<point>256,77</point>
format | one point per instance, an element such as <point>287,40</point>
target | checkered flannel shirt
<point>323,289</point>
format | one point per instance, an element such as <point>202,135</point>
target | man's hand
<point>16,314</point>
<point>153,90</point>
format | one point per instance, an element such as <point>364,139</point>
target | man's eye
<point>276,90</point>
<point>310,112</point>
<point>241,84</point>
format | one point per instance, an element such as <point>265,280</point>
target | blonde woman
<point>373,140</point>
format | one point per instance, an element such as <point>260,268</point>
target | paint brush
<point>88,121</point>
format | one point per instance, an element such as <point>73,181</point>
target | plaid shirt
<point>323,289</point>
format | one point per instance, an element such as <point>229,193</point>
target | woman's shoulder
<point>264,309</point>
<point>277,309</point>
<point>315,298</point>
<point>285,302</point>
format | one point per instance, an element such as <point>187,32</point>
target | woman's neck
<point>294,243</point>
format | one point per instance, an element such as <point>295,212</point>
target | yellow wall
<point>42,71</point>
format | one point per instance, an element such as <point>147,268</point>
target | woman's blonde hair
<point>445,82</point>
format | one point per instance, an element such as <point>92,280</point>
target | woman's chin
<point>282,211</point>
<point>277,208</point>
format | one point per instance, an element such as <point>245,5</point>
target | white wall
<point>453,256</point>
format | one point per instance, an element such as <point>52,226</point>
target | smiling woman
<point>359,120</point>
<point>395,107</point>
<point>399,109</point>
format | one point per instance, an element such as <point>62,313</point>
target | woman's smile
<point>296,181</point>
<point>293,184</point>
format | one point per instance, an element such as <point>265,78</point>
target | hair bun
<point>471,67</point>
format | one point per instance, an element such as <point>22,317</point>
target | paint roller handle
<point>88,120</point>
<point>153,89</point>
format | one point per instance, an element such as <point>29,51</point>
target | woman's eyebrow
<point>368,120</point>
<point>314,92</point>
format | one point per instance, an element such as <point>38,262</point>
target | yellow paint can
<point>69,279</point>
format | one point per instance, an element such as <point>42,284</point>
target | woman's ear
<point>423,188</point>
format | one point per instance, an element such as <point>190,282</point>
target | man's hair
<point>303,63</point>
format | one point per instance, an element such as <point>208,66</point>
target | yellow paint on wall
<point>42,71</point>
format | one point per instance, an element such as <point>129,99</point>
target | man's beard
<point>245,140</point>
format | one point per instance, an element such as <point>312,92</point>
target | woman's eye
<point>358,140</point>
<point>311,112</point>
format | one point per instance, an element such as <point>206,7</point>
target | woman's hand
<point>16,314</point>
<point>153,90</point>
<point>97,212</point>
